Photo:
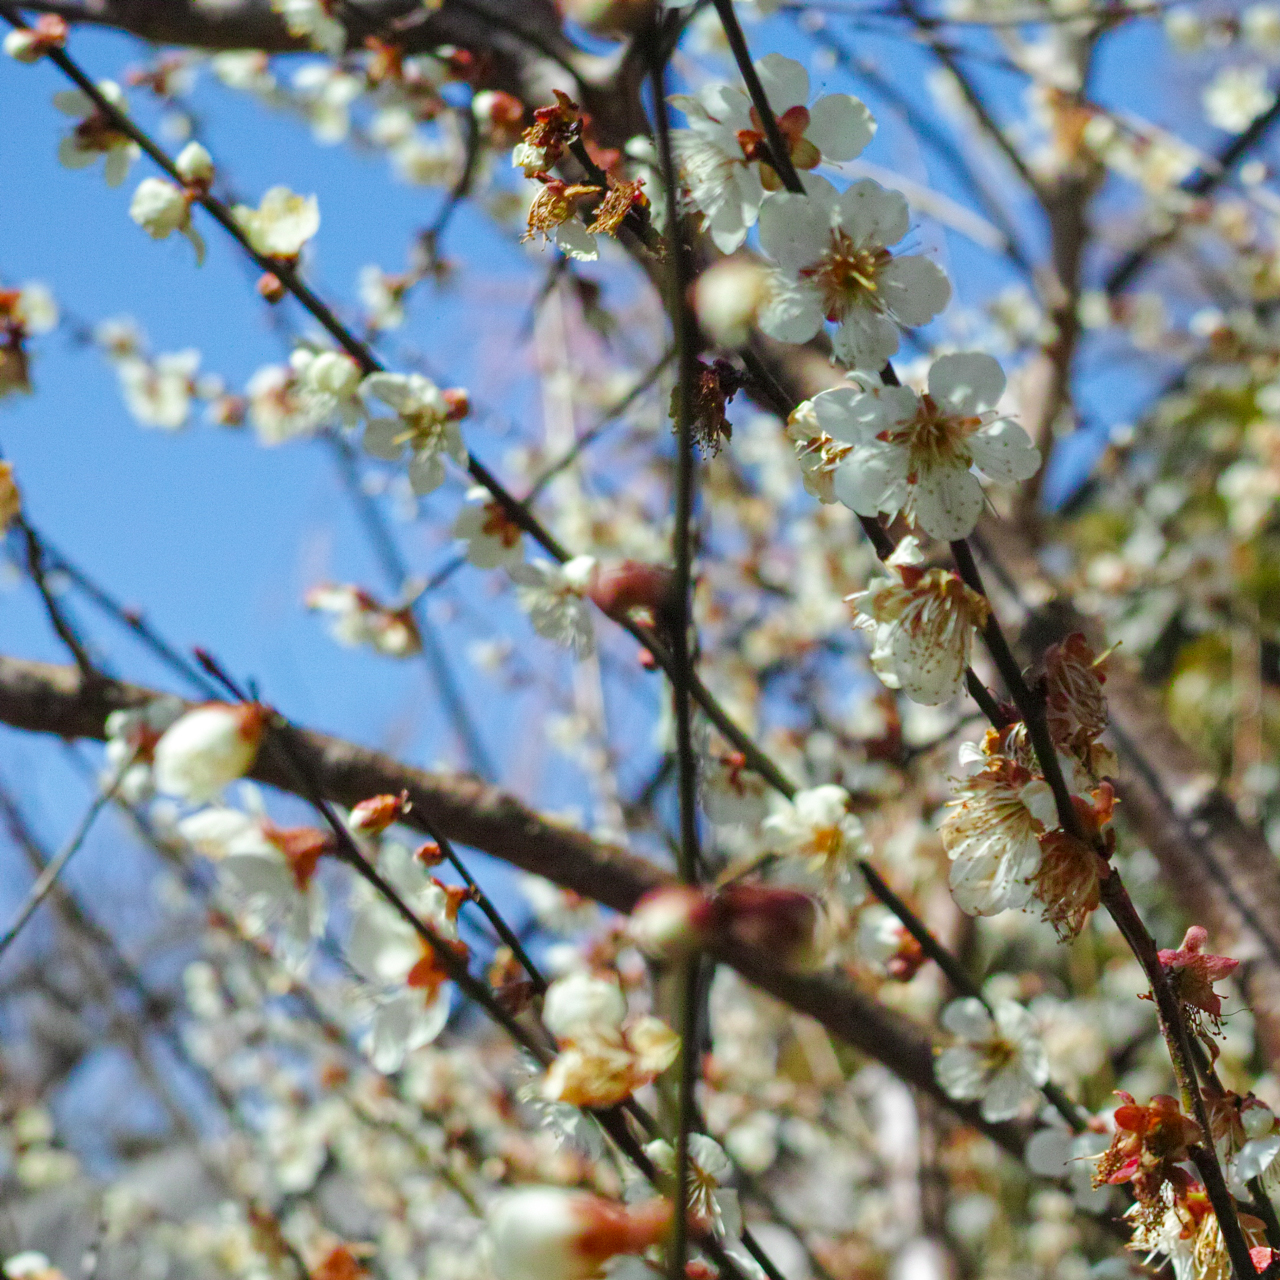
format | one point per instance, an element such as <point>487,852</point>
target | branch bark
<point>39,697</point>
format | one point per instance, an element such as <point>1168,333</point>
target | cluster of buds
<point>674,922</point>
<point>160,207</point>
<point>22,312</point>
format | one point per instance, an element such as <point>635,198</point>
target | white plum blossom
<point>494,540</point>
<point>271,870</point>
<point>158,391</point>
<point>281,224</point>
<point>923,622</point>
<point>727,298</point>
<point>604,1055</point>
<point>1236,97</point>
<point>409,990</point>
<point>382,295</point>
<point>95,133</point>
<point>356,618</point>
<point>710,1200</point>
<point>816,831</point>
<point>834,264</point>
<point>992,836</point>
<point>732,793</point>
<point>721,152</point>
<point>160,208</point>
<point>425,424</point>
<point>131,741</point>
<point>999,1059</point>
<point>915,453</point>
<point>328,384</point>
<point>278,407</point>
<point>327,92</point>
<point>207,748</point>
<point>554,598</point>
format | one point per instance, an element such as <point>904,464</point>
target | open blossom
<point>208,748</point>
<point>158,390</point>
<point>883,943</point>
<point>554,597</point>
<point>132,736</point>
<point>816,830</point>
<point>553,213</point>
<point>160,208</point>
<point>923,622</point>
<point>358,619</point>
<point>554,128</point>
<point>604,1055</point>
<point>1192,971</point>
<point>712,1205</point>
<point>727,298</point>
<point>1236,97</point>
<point>915,452</point>
<point>818,453</point>
<point>722,151</point>
<point>270,869</point>
<point>992,836</point>
<point>409,985</point>
<point>425,424</point>
<point>999,1059</point>
<point>1149,1146</point>
<point>382,295</point>
<point>96,134</point>
<point>549,1233</point>
<point>834,264</point>
<point>281,224</point>
<point>313,21</point>
<point>494,540</point>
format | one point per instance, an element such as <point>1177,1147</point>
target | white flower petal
<point>961,1072</point>
<point>1004,451</point>
<point>840,126</point>
<point>966,383</point>
<point>947,501</point>
<point>383,438</point>
<point>968,1018</point>
<point>1007,1094</point>
<point>793,310</point>
<point>915,289</point>
<point>872,215</point>
<point>865,339</point>
<point>784,80</point>
<point>794,229</point>
<point>872,479</point>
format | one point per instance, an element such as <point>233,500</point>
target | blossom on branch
<point>281,224</point>
<point>96,134</point>
<point>160,209</point>
<point>923,622</point>
<point>426,424</point>
<point>554,597</point>
<point>821,842</point>
<point>999,1060</point>
<point>604,1055</point>
<point>834,264</point>
<point>914,453</point>
<point>722,154</point>
<point>208,748</point>
<point>359,619</point>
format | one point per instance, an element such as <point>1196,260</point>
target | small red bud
<point>373,816</point>
<point>458,402</point>
<point>619,588</point>
<point>429,854</point>
<point>271,287</point>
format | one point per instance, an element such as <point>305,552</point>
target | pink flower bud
<point>547,1233</point>
<point>785,923</point>
<point>619,588</point>
<point>673,922</point>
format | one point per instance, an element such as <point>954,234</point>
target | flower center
<point>846,276</point>
<point>933,437</point>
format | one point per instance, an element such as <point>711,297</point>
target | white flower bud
<point>334,373</point>
<point>24,46</point>
<point>1257,1118</point>
<point>159,207</point>
<point>583,1004</point>
<point>672,922</point>
<point>194,164</point>
<point>208,748</point>
<point>727,298</point>
<point>546,1233</point>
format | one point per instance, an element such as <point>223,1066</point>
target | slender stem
<point>681,669</point>
<point>779,153</point>
<point>46,880</point>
